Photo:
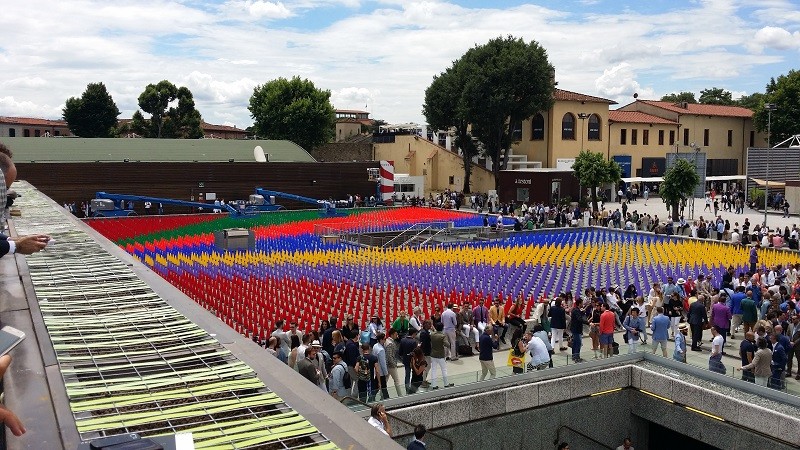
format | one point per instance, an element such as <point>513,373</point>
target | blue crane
<point>113,205</point>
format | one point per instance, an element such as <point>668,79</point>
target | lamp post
<point>696,149</point>
<point>769,107</point>
<point>583,117</point>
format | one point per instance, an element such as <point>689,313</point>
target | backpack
<point>347,382</point>
<point>363,368</point>
<point>364,337</point>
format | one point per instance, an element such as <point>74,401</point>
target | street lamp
<point>769,107</point>
<point>583,117</point>
<point>696,149</point>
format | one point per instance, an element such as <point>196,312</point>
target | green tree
<point>92,115</point>
<point>784,92</point>
<point>680,180</point>
<point>295,110</point>
<point>154,100</point>
<point>716,96</point>
<point>509,80</point>
<point>592,170</point>
<point>680,97</point>
<point>184,120</point>
<point>444,110</point>
<point>752,102</point>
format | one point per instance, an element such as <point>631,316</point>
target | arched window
<point>516,130</point>
<point>568,127</point>
<point>594,128</point>
<point>537,127</point>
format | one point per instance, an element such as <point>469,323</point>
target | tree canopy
<point>295,110</point>
<point>752,102</point>
<point>489,88</point>
<point>679,183</point>
<point>592,170</point>
<point>93,115</point>
<point>680,97</point>
<point>716,96</point>
<point>180,121</point>
<point>444,110</point>
<point>784,92</point>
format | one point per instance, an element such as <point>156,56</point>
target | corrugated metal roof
<point>151,150</point>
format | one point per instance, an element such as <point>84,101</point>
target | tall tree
<point>444,110</point>
<point>184,120</point>
<point>293,109</point>
<point>509,80</point>
<point>679,183</point>
<point>784,92</point>
<point>154,100</point>
<point>752,102</point>
<point>592,170</point>
<point>680,97</point>
<point>716,96</point>
<point>92,115</point>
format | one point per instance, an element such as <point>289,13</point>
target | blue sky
<point>382,54</point>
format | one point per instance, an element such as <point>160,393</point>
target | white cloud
<point>353,98</point>
<point>383,57</point>
<point>778,38</point>
<point>257,9</point>
<point>9,106</point>
<point>26,82</point>
<point>619,83</point>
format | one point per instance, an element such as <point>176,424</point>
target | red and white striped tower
<point>387,180</point>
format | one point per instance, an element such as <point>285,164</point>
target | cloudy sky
<point>379,54</point>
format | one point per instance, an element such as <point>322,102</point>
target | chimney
<point>685,105</point>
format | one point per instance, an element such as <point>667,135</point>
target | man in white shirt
<point>540,357</point>
<point>735,236</point>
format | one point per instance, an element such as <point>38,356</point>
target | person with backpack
<point>340,381</point>
<point>367,373</point>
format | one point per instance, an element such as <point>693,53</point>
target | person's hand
<point>11,421</point>
<point>33,243</point>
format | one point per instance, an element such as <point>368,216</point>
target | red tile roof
<point>637,117</point>
<point>33,121</point>
<point>699,109</point>
<point>561,94</point>
<point>211,127</point>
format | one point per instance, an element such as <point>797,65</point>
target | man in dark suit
<point>698,316</point>
<point>419,434</point>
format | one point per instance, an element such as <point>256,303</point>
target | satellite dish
<point>258,154</point>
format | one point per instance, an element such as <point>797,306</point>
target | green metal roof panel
<point>68,149</point>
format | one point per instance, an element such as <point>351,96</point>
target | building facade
<point>32,127</point>
<point>722,132</point>
<point>351,122</point>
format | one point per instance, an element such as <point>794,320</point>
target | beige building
<point>637,139</point>
<point>574,122</point>
<point>722,132</point>
<point>351,122</point>
<point>441,168</point>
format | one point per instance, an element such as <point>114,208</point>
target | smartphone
<point>10,337</point>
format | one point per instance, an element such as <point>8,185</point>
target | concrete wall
<point>563,396</point>
<point>419,157</point>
